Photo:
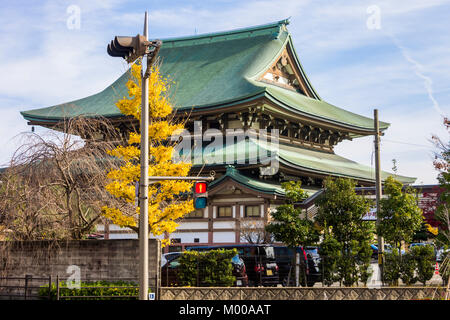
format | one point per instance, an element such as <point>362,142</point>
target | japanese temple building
<point>245,79</point>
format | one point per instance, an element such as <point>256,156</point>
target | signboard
<point>371,215</point>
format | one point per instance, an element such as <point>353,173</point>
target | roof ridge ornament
<point>230,168</point>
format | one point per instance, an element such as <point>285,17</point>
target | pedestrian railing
<point>23,288</point>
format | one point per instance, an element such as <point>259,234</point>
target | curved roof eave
<point>369,130</point>
<point>234,175</point>
<point>300,67</point>
<point>403,179</point>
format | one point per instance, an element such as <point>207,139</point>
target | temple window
<point>224,212</point>
<point>252,211</point>
<point>197,213</point>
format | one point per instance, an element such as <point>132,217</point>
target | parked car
<point>170,267</point>
<point>309,264</point>
<point>412,245</point>
<point>387,249</point>
<point>441,253</point>
<point>284,257</point>
<point>314,273</point>
<point>96,236</point>
<point>374,251</point>
<point>168,257</point>
<point>259,259</point>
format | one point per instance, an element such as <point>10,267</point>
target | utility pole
<point>378,190</point>
<point>130,49</point>
<point>143,182</point>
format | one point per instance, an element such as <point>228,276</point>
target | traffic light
<point>131,48</point>
<point>200,195</point>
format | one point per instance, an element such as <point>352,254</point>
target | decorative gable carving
<point>231,189</point>
<point>283,72</point>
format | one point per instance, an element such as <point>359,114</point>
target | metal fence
<point>242,271</point>
<point>23,288</point>
<point>283,271</point>
<point>31,287</point>
<point>97,290</point>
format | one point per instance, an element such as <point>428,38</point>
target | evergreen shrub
<point>97,290</point>
<point>211,268</point>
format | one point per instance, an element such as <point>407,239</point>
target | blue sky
<point>401,68</point>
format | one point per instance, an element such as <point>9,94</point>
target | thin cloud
<point>419,71</point>
<point>337,51</point>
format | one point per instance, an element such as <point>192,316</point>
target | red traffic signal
<point>200,195</point>
<point>200,187</point>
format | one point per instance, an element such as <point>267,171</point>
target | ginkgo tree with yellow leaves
<point>168,199</point>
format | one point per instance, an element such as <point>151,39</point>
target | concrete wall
<point>328,293</point>
<point>96,259</point>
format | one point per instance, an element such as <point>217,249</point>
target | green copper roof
<point>316,108</point>
<point>215,70</point>
<point>252,151</point>
<point>256,184</point>
<point>331,164</point>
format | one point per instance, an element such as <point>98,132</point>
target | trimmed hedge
<point>206,268</point>
<point>425,260</point>
<point>415,266</point>
<point>98,290</point>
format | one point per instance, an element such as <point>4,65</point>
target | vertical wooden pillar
<point>210,223</point>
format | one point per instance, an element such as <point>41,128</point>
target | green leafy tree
<point>401,218</point>
<point>392,268</point>
<point>330,251</point>
<point>408,267</point>
<point>442,164</point>
<point>340,213</point>
<point>400,214</point>
<point>425,261</point>
<point>290,225</point>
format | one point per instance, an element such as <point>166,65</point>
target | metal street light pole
<point>130,49</point>
<point>143,181</point>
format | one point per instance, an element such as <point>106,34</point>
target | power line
<point>407,143</point>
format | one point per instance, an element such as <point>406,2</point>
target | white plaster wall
<point>188,237</point>
<point>132,236</point>
<point>186,225</point>
<point>223,237</point>
<point>224,224</point>
<point>113,227</point>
